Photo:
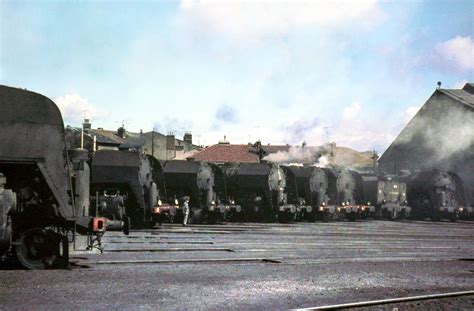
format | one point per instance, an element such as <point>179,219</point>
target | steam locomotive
<point>129,189</point>
<point>196,180</point>
<point>260,189</point>
<point>436,194</point>
<point>388,194</point>
<point>43,192</point>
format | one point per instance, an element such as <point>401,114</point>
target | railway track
<point>382,302</point>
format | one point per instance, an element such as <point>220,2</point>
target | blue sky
<point>282,72</point>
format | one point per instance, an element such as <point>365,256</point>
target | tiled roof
<point>225,153</point>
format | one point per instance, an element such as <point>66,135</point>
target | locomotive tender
<point>41,208</point>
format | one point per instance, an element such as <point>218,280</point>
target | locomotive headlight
<point>347,203</point>
<point>159,203</point>
<point>213,202</point>
<point>338,209</point>
<point>176,202</point>
<point>324,203</point>
<point>461,209</point>
<point>321,208</point>
<point>363,208</point>
<point>232,202</point>
<point>343,204</point>
<point>368,203</point>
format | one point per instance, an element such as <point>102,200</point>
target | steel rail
<point>389,301</point>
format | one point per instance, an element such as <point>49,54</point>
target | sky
<point>282,72</point>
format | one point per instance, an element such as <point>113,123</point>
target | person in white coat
<point>185,210</point>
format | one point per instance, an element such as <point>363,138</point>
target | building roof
<point>465,96</point>
<point>410,137</point>
<point>227,153</point>
<point>106,137</point>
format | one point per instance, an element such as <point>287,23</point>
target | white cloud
<point>460,84</point>
<point>259,18</point>
<point>74,107</point>
<point>410,113</point>
<point>351,112</point>
<point>456,54</point>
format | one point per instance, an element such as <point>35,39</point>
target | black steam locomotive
<point>42,197</point>
<point>260,189</point>
<point>196,180</point>
<point>388,194</point>
<point>128,189</point>
<point>436,194</point>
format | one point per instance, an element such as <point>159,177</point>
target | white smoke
<point>294,155</point>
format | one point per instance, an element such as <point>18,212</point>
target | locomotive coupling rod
<point>389,301</point>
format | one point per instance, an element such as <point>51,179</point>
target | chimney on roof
<point>86,125</point>
<point>224,142</point>
<point>188,137</point>
<point>170,142</point>
<point>121,132</point>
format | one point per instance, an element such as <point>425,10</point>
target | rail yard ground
<point>257,266</point>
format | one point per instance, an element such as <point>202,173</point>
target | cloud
<point>258,19</point>
<point>226,113</point>
<point>351,112</point>
<point>173,125</point>
<point>75,107</point>
<point>410,113</point>
<point>297,130</point>
<point>456,54</point>
<point>460,84</point>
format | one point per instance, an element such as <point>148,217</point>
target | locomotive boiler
<point>39,204</point>
<point>260,189</point>
<point>436,194</point>
<point>129,189</point>
<point>388,194</point>
<point>196,180</point>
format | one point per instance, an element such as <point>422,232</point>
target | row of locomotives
<point>196,180</point>
<point>388,194</point>
<point>351,203</point>
<point>436,195</point>
<point>41,212</point>
<point>260,190</point>
<point>128,189</point>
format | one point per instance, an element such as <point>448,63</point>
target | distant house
<point>440,135</point>
<point>224,152</point>
<point>162,147</point>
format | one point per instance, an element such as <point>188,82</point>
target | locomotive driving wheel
<point>38,248</point>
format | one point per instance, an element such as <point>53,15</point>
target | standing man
<point>185,210</point>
